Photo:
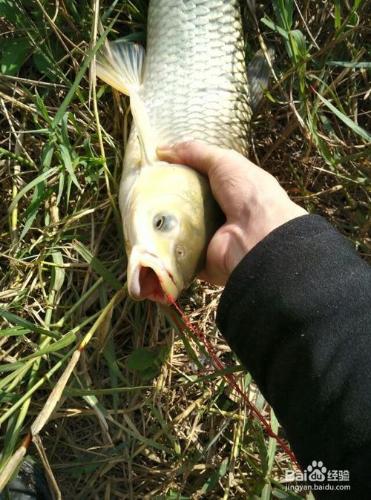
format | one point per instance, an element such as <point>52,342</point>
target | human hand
<point>252,200</point>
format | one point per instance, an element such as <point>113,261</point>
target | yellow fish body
<point>191,85</point>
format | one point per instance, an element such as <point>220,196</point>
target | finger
<point>205,158</point>
<point>202,275</point>
<point>196,154</point>
<point>212,278</point>
<point>215,269</point>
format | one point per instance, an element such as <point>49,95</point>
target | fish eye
<point>164,223</point>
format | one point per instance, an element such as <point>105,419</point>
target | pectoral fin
<point>120,64</point>
<point>259,72</point>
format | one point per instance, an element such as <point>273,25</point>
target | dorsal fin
<point>258,72</point>
<point>120,64</point>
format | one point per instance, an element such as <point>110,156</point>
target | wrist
<point>245,236</point>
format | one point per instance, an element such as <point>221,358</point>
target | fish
<point>191,83</point>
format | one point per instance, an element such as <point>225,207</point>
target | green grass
<point>143,411</point>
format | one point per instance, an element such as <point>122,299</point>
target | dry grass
<point>144,413</point>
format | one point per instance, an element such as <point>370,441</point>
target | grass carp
<point>192,84</point>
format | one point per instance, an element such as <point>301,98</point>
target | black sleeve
<point>297,312</point>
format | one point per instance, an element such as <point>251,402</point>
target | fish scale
<point>194,82</point>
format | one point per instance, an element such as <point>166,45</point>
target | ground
<point>144,412</point>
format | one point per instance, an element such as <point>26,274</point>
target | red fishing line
<point>232,380</point>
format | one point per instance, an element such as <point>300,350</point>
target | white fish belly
<point>195,81</point>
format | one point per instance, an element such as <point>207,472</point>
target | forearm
<point>303,297</point>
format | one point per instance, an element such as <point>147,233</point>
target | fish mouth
<point>149,279</point>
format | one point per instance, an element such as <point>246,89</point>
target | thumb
<point>203,157</point>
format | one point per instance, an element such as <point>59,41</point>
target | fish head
<point>167,225</point>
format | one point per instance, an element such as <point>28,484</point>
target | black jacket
<point>297,312</point>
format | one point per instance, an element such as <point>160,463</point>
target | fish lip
<point>166,279</point>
